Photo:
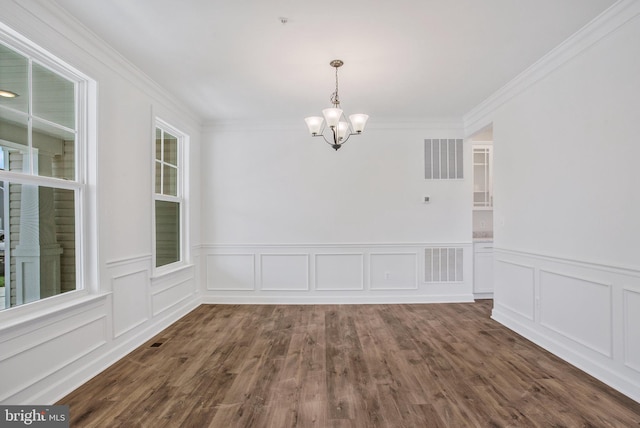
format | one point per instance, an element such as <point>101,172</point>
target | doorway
<point>482,212</point>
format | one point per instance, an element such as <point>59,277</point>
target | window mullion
<point>162,161</point>
<point>29,154</point>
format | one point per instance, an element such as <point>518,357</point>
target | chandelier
<point>340,128</point>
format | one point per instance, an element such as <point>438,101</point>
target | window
<point>42,175</point>
<point>168,195</point>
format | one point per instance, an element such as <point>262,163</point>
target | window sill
<point>170,270</point>
<point>43,310</point>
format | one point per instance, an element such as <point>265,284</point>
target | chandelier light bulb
<point>343,129</point>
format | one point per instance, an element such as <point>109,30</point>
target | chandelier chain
<point>335,98</point>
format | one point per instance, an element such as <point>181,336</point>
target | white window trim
<point>84,185</point>
<point>182,198</point>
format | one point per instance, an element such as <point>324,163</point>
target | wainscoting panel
<point>514,287</point>
<point>166,298</point>
<point>586,313</point>
<point>577,308</point>
<point>36,355</point>
<point>394,271</point>
<point>284,272</point>
<point>130,301</point>
<point>231,272</point>
<point>631,302</point>
<point>336,272</point>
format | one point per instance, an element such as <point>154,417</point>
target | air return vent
<point>443,159</point>
<point>443,264</point>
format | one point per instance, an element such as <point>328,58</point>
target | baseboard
<point>482,296</point>
<point>254,299</point>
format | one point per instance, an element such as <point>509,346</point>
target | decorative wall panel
<point>577,308</point>
<point>336,272</point>
<point>230,271</point>
<point>393,271</point>
<point>514,287</point>
<point>167,298</point>
<point>130,301</point>
<point>284,272</point>
<point>588,314</point>
<point>33,364</point>
<point>631,302</point>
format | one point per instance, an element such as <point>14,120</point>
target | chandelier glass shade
<point>333,126</point>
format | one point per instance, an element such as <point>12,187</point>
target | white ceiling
<point>405,60</point>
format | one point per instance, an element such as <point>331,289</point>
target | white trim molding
<point>606,23</point>
<point>585,313</point>
<point>314,273</point>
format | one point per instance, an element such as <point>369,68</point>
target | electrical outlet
<point>387,275</point>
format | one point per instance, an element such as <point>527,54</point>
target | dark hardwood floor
<point>437,365</point>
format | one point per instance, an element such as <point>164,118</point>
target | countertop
<point>483,236</point>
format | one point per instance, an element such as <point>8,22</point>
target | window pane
<point>167,232</point>
<point>158,169</point>
<point>53,97</point>
<point>13,78</point>
<point>170,181</point>
<point>158,144</point>
<point>170,149</point>
<point>55,149</point>
<point>38,257</point>
<point>14,136</point>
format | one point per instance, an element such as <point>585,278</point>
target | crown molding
<point>55,23</point>
<point>443,123</point>
<point>604,24</point>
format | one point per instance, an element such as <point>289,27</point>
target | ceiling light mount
<point>335,119</point>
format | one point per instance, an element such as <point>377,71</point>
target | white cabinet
<point>483,269</point>
<point>482,176</point>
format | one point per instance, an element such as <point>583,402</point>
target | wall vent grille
<point>443,159</point>
<point>443,264</point>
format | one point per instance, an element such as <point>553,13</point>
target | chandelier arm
<point>346,137</point>
<point>324,138</point>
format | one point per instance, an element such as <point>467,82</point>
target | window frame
<point>85,172</point>
<point>180,198</point>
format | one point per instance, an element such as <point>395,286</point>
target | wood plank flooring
<point>437,365</point>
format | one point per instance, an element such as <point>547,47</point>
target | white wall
<point>282,191</point>
<point>50,347</point>
<point>567,234</point>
